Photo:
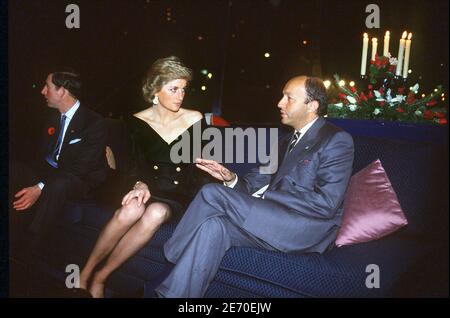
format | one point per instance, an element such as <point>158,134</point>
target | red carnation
<point>442,121</point>
<point>391,68</point>
<point>428,114</point>
<point>363,97</point>
<point>370,94</point>
<point>400,110</point>
<point>353,89</point>
<point>51,130</point>
<point>432,102</point>
<point>342,96</point>
<point>401,90</point>
<point>382,103</point>
<point>370,86</point>
<point>411,98</point>
<point>439,114</point>
<point>381,91</point>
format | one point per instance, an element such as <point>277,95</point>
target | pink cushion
<point>371,207</point>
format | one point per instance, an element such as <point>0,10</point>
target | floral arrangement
<point>386,97</point>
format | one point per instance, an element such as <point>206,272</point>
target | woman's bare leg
<point>141,232</point>
<point>123,219</point>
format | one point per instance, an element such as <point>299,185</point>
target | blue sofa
<point>413,261</point>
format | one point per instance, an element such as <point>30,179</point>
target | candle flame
<point>388,33</point>
<point>365,35</point>
<point>410,36</point>
<point>374,39</point>
<point>404,35</point>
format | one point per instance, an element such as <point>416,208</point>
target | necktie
<point>51,158</point>
<point>294,141</point>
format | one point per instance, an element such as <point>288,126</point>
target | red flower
<point>353,89</point>
<point>442,121</point>
<point>370,86</point>
<point>432,103</point>
<point>370,94</point>
<point>391,68</point>
<point>400,110</point>
<point>51,130</point>
<point>342,96</point>
<point>381,91</point>
<point>401,90</point>
<point>411,98</point>
<point>363,97</point>
<point>382,103</point>
<point>439,115</point>
<point>428,114</point>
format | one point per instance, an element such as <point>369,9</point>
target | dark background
<point>118,40</point>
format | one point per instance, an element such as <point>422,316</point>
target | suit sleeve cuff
<point>233,183</point>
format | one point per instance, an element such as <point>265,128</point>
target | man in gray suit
<point>296,209</point>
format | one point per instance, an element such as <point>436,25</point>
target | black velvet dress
<point>173,183</point>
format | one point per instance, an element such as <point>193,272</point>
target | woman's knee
<point>130,213</point>
<point>156,214</point>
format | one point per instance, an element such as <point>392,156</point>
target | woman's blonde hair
<point>162,72</point>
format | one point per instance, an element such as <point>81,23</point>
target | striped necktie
<point>294,141</point>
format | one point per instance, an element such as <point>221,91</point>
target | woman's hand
<point>216,170</point>
<point>140,191</point>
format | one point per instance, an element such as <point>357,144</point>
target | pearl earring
<point>155,100</point>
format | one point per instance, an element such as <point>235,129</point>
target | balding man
<point>299,208</point>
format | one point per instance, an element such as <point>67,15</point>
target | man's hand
<point>141,192</point>
<point>216,170</point>
<point>110,158</point>
<point>26,198</point>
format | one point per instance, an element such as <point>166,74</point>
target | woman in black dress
<point>166,187</point>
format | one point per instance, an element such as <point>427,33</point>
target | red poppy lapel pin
<point>51,130</point>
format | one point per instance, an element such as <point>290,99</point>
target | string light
<point>266,55</point>
<point>327,83</point>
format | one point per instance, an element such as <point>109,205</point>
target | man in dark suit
<point>71,161</point>
<point>296,209</point>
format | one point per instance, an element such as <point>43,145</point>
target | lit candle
<point>401,48</point>
<point>387,37</point>
<point>407,52</point>
<point>374,48</point>
<point>364,54</point>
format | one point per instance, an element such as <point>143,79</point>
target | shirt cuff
<point>41,185</point>
<point>233,183</point>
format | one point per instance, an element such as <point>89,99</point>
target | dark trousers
<point>59,187</point>
<point>210,226</point>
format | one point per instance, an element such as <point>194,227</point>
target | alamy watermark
<point>373,19</point>
<point>229,145</point>
<point>73,19</point>
<point>373,279</point>
<point>73,279</point>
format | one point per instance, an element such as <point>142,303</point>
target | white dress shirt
<point>69,115</point>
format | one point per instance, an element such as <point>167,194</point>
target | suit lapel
<point>305,144</point>
<point>52,132</point>
<point>75,126</point>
